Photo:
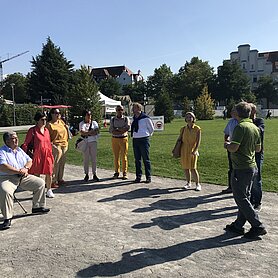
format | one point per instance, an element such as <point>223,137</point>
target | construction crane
<point>3,61</point>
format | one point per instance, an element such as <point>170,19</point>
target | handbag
<point>177,149</point>
<point>81,144</point>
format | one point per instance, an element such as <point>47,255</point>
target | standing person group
<point>89,130</point>
<point>245,142</point>
<point>119,126</point>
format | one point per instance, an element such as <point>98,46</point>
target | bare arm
<point>231,147</point>
<point>6,168</point>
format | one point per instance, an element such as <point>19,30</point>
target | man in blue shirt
<point>14,166</point>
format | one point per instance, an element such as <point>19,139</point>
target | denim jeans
<point>256,191</point>
<point>141,150</point>
<point>242,180</point>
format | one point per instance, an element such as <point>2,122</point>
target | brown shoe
<point>54,185</point>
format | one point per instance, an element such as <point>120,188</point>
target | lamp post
<point>145,102</point>
<point>12,86</point>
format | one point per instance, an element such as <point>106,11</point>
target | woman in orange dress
<point>42,156</point>
<point>191,138</point>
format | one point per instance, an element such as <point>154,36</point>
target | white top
<point>230,127</point>
<point>145,129</point>
<point>85,127</point>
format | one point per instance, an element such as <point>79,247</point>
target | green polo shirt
<point>247,136</point>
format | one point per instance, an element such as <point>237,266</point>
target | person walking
<point>191,139</point>
<point>228,132</point>
<point>42,157</point>
<point>119,126</point>
<point>245,142</point>
<point>59,137</point>
<point>141,130</point>
<point>89,130</point>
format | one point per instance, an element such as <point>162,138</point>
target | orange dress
<point>189,141</point>
<point>43,158</point>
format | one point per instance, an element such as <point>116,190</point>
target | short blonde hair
<point>138,105</point>
<point>192,115</point>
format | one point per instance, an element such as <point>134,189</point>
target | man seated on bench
<point>14,165</point>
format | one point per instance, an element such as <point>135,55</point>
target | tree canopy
<point>51,75</point>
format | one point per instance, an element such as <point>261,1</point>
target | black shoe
<point>233,229</point>
<point>116,175</point>
<point>40,210</point>
<point>255,232</point>
<point>95,178</point>
<point>148,180</point>
<point>86,178</point>
<point>6,224</point>
<point>227,190</point>
<point>137,180</point>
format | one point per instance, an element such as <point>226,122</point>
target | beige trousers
<point>59,154</point>
<point>90,154</point>
<point>8,185</point>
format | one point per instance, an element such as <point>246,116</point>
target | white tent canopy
<point>109,103</point>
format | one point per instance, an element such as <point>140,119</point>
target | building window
<point>255,79</point>
<point>252,66</point>
<point>243,66</point>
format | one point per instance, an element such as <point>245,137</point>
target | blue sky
<point>140,34</point>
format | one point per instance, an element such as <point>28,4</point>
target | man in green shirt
<point>245,142</point>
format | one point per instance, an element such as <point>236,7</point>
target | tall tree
<point>164,106</point>
<point>84,95</point>
<point>231,82</point>
<point>110,87</point>
<point>159,81</point>
<point>267,88</point>
<point>51,75</point>
<point>192,78</point>
<point>20,87</point>
<point>136,91</point>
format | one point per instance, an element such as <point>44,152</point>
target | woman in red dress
<point>42,156</point>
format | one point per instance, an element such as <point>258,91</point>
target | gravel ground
<point>116,228</point>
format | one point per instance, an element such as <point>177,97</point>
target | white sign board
<point>158,122</point>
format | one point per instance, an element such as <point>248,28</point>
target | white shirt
<point>145,128</point>
<point>85,127</point>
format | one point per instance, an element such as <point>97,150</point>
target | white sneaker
<point>187,186</point>
<point>50,194</point>
<point>198,187</point>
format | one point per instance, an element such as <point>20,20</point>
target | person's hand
<point>23,172</point>
<point>226,143</point>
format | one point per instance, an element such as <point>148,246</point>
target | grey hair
<point>7,135</point>
<point>243,109</point>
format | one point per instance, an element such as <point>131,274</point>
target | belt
<point>120,136</point>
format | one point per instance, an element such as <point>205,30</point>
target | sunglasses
<point>57,113</point>
<point>43,119</point>
<point>120,109</point>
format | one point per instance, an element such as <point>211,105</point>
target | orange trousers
<point>120,149</point>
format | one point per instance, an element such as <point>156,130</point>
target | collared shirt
<point>122,122</point>
<point>17,159</point>
<point>230,127</point>
<point>247,136</point>
<point>86,127</point>
<point>145,128</point>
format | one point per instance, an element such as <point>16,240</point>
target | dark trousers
<point>230,169</point>
<point>141,148</point>
<point>256,191</point>
<point>241,185</point>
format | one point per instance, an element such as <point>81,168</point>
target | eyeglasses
<point>42,119</point>
<point>120,109</point>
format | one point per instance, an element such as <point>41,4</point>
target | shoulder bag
<point>177,149</point>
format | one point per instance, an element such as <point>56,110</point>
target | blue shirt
<point>17,159</point>
<point>230,127</point>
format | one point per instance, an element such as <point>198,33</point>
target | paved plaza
<point>116,228</point>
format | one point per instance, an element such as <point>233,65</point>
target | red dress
<point>43,159</point>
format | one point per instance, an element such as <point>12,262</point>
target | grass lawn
<point>212,163</point>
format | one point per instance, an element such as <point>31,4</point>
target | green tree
<point>160,81</point>
<point>51,75</point>
<point>192,78</point>
<point>84,95</point>
<point>164,106</point>
<point>204,105</point>
<point>187,105</point>
<point>136,91</point>
<point>20,88</point>
<point>249,97</point>
<point>267,88</point>
<point>110,87</point>
<point>231,82</point>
